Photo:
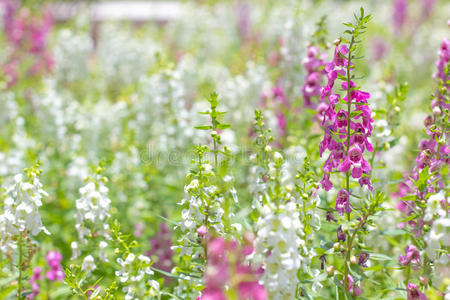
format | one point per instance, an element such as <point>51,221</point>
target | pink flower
<point>412,256</point>
<point>342,202</point>
<point>355,160</point>
<point>413,293</point>
<point>53,258</point>
<point>341,236</point>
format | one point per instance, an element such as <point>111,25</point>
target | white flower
<point>154,289</point>
<point>75,250</point>
<point>102,256</point>
<point>434,206</point>
<point>88,264</point>
<point>439,234</point>
<point>382,128</point>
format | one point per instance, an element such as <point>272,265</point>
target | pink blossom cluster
<point>278,95</point>
<point>54,262</point>
<point>443,60</point>
<point>345,141</point>
<point>427,7</point>
<point>432,155</point>
<point>55,273</point>
<point>27,35</point>
<point>37,276</point>
<point>226,266</point>
<point>161,250</point>
<point>314,66</point>
<point>400,14</point>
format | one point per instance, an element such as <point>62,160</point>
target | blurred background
<point>121,83</point>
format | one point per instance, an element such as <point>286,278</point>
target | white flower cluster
<point>71,54</point>
<point>159,96</point>
<point>133,272</point>
<point>92,210</point>
<point>279,246</point>
<point>21,210</point>
<point>122,58</point>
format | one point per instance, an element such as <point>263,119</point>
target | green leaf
<point>378,256</point>
<point>223,126</point>
<point>204,127</point>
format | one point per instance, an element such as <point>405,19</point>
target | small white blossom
<point>88,264</point>
<point>102,256</point>
<point>75,250</point>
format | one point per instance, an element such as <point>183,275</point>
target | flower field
<point>211,150</point>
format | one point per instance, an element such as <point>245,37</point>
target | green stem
<point>215,154</point>
<point>347,177</point>
<point>349,248</point>
<point>19,283</point>
<point>408,274</point>
<point>206,221</point>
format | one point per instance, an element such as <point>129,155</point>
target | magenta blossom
<point>412,256</point>
<point>413,293</point>
<point>342,202</point>
<point>356,161</point>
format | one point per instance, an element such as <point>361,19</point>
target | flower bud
<point>397,109</point>
<point>436,111</point>
<point>278,157</point>
<point>423,280</point>
<point>268,148</point>
<point>336,246</point>
<point>353,260</point>
<point>330,270</point>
